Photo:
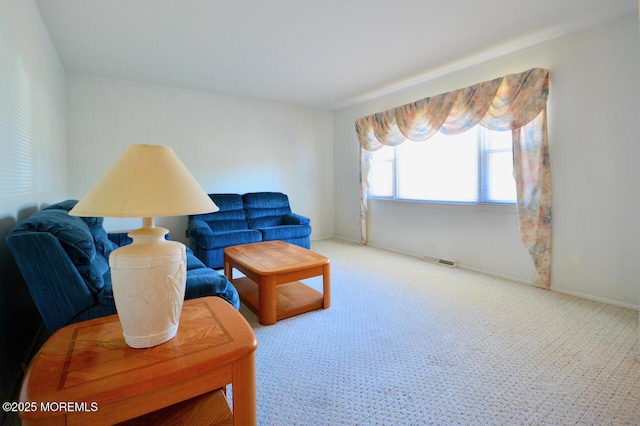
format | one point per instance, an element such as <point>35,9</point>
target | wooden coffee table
<point>272,269</point>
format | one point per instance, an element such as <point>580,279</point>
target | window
<point>474,167</point>
<point>517,102</point>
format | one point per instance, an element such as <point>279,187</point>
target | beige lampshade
<point>146,181</point>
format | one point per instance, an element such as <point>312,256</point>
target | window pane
<point>384,153</point>
<point>498,140</point>
<point>501,186</point>
<point>381,179</point>
<point>381,173</point>
<point>442,168</point>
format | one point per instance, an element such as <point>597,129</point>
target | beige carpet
<point>407,342</point>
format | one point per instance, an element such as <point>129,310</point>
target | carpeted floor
<point>406,342</point>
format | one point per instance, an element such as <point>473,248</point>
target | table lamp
<point>148,276</point>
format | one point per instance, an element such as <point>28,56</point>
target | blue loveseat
<point>64,261</point>
<point>244,219</point>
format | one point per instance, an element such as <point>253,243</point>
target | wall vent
<point>445,262</point>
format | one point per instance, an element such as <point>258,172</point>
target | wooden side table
<point>86,374</point>
<point>271,288</point>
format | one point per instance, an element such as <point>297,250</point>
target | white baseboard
<point>495,274</point>
<point>346,239</point>
<point>509,278</point>
<point>461,266</point>
<point>596,299</point>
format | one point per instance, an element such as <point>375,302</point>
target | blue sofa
<point>244,219</point>
<point>64,262</point>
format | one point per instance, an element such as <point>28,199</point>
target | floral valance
<point>504,103</point>
<point>515,102</point>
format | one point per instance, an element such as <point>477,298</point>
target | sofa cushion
<point>285,232</point>
<point>230,217</point>
<point>102,243</point>
<point>226,239</point>
<point>93,272</point>
<point>72,233</point>
<point>266,209</point>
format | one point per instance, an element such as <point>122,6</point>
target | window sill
<point>506,207</point>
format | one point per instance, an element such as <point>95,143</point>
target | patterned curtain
<point>515,102</point>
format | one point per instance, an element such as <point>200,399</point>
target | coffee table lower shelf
<point>211,409</point>
<point>292,298</point>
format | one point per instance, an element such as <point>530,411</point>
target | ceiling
<point>323,53</point>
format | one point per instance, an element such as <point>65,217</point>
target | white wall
<point>32,164</point>
<point>229,144</point>
<point>594,106</point>
<point>32,112</point>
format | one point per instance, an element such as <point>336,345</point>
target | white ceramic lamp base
<point>148,279</point>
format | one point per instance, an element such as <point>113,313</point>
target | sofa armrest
<point>198,228</point>
<point>296,219</point>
